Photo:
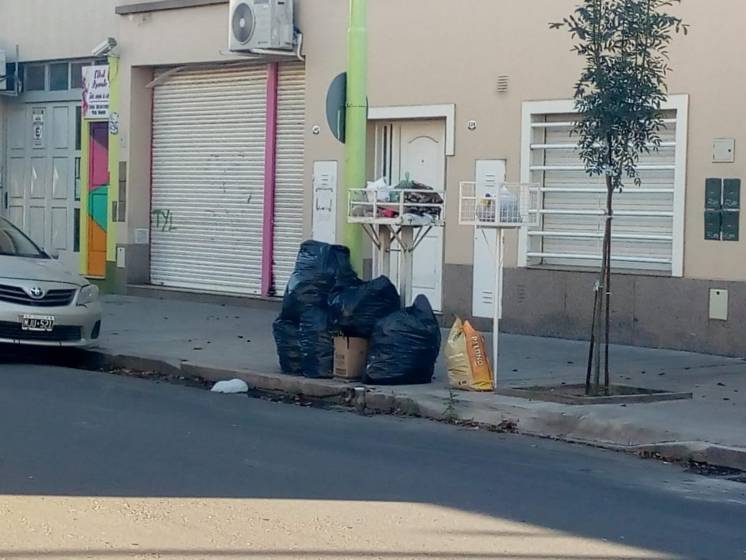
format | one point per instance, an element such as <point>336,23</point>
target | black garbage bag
<point>318,268</point>
<point>355,310</point>
<point>288,346</point>
<point>316,344</point>
<point>404,347</point>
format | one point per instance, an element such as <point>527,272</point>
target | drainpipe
<point>357,118</point>
<point>270,174</point>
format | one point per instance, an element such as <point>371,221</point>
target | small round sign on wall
<point>336,106</point>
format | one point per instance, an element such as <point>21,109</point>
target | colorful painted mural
<point>100,168</point>
<point>98,198</point>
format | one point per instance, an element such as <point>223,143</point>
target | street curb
<point>561,426</point>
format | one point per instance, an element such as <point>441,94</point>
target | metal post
<point>357,118</point>
<point>406,240</point>
<point>497,302</point>
<point>270,173</point>
<point>383,264</point>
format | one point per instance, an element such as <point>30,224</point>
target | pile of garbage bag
<point>325,298</point>
<point>404,347</point>
<point>355,309</point>
<point>304,342</point>
<point>318,269</point>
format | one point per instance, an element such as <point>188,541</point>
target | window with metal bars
<point>647,226</point>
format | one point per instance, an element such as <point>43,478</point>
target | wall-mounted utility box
<point>730,226</point>
<point>724,150</point>
<point>722,209</point>
<point>713,194</point>
<point>719,305</point>
<point>713,225</point>
<point>731,194</point>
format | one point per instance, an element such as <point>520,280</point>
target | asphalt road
<point>99,466</point>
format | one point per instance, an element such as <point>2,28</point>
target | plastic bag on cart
<point>316,344</point>
<point>510,211</point>
<point>404,347</point>
<point>318,268</point>
<point>355,310</point>
<point>378,190</point>
<point>288,346</point>
<point>466,352</point>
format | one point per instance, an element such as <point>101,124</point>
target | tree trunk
<point>592,348</point>
<point>601,325</point>
<point>597,331</point>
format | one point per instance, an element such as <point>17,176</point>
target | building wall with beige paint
<point>54,30</point>
<point>426,52</point>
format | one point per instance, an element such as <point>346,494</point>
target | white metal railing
<point>600,235</point>
<point>507,205</point>
<point>602,190</point>
<point>643,167</point>
<point>570,124</point>
<point>566,146</point>
<point>415,207</point>
<point>598,257</point>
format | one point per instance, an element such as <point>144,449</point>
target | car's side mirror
<point>52,254</point>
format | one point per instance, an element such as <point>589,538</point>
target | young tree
<point>618,96</point>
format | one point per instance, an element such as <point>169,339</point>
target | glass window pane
<point>78,124</point>
<point>11,76</point>
<point>59,74</point>
<point>77,179</point>
<point>76,75</point>
<point>35,79</point>
<point>76,234</point>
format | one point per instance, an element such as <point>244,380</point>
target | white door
<point>489,175</point>
<point>416,149</point>
<point>325,201</point>
<point>41,159</point>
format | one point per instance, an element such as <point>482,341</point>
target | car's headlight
<point>88,294</point>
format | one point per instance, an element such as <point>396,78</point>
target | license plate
<point>37,323</point>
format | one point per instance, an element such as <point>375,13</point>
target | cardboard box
<point>350,355</point>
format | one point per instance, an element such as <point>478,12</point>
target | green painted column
<point>357,118</point>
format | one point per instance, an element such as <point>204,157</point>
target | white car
<point>42,303</point>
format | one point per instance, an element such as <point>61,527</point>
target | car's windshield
<point>15,244</point>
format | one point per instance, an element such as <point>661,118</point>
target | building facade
<point>217,166</point>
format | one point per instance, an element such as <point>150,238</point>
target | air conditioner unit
<point>260,25</point>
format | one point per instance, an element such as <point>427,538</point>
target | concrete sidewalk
<point>224,341</point>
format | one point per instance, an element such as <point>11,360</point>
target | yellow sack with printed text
<point>466,352</point>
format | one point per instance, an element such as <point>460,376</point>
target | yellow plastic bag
<point>466,352</point>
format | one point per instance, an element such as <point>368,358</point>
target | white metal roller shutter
<point>208,179</point>
<point>288,229</point>
<point>571,221</point>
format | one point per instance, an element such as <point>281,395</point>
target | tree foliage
<point>621,88</point>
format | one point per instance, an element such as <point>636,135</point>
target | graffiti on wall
<point>163,220</point>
